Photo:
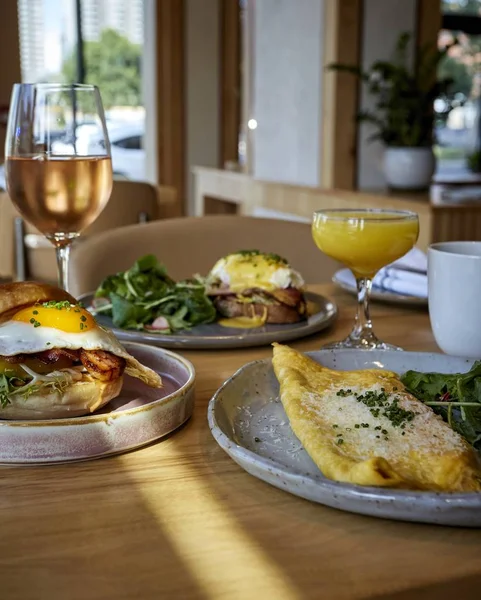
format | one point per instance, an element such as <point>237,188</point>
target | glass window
<point>457,115</point>
<point>458,126</point>
<point>110,52</point>
<point>466,7</point>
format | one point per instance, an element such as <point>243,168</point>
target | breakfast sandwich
<point>250,283</point>
<point>55,360</point>
<point>363,427</point>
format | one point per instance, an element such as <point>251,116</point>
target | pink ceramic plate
<point>138,416</point>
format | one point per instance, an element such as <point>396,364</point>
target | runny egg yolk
<point>63,316</point>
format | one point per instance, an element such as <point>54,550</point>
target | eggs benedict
<point>55,360</point>
<point>257,285</point>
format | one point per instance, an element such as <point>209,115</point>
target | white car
<point>128,155</point>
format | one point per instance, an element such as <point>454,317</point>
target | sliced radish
<point>159,324</point>
<point>99,302</point>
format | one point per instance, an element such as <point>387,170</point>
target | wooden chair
<point>192,245</point>
<point>131,202</point>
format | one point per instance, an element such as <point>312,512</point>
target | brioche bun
<point>15,296</point>
<point>278,314</point>
<point>80,398</point>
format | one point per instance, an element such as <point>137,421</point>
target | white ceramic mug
<point>454,279</point>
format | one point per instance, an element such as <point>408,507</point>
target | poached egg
<point>253,269</point>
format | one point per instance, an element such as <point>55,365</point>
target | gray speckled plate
<point>248,421</point>
<point>381,295</point>
<point>213,336</point>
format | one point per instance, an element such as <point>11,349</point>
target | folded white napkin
<point>406,276</point>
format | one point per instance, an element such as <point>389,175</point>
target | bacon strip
<point>102,365</point>
<point>288,296</point>
<point>48,357</point>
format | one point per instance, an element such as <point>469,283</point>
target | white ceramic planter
<point>409,168</point>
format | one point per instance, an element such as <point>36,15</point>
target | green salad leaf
<point>136,298</point>
<point>11,385</point>
<point>456,398</point>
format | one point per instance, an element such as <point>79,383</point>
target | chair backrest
<point>130,202</point>
<point>191,245</point>
<point>7,242</point>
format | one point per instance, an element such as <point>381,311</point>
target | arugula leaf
<point>144,292</point>
<point>125,313</point>
<point>4,390</point>
<point>148,263</point>
<point>455,397</point>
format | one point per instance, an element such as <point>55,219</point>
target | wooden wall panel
<point>343,26</point>
<point>429,22</point>
<point>230,80</point>
<point>171,96</point>
<point>10,52</point>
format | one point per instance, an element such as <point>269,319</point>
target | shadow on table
<point>464,588</point>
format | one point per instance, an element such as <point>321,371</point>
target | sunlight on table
<point>189,536</point>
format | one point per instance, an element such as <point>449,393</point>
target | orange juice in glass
<point>365,241</point>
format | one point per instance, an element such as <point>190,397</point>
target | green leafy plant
<point>405,95</point>
<point>474,161</point>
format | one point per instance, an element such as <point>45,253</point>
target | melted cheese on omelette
<point>362,427</point>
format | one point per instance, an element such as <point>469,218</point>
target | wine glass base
<point>360,344</point>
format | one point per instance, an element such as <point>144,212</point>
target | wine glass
<point>365,241</point>
<point>57,161</point>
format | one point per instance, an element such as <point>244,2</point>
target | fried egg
<point>63,325</point>
<point>252,269</point>
<point>363,427</point>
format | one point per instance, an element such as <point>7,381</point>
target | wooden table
<point>179,519</point>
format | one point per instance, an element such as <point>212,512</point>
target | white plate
<point>248,421</point>
<point>380,294</point>
<point>138,416</point>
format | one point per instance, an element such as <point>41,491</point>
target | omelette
<point>363,427</point>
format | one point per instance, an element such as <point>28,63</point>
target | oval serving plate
<point>380,294</point>
<point>138,416</point>
<point>214,336</point>
<point>248,421</point>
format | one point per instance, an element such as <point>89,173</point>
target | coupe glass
<point>365,241</point>
<point>58,165</point>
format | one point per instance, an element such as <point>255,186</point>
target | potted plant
<point>403,117</point>
<point>473,161</point>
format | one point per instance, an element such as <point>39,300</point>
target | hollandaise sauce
<point>244,321</point>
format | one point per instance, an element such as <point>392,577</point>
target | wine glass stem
<point>63,253</point>
<point>363,324</point>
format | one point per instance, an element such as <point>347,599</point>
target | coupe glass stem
<point>362,330</point>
